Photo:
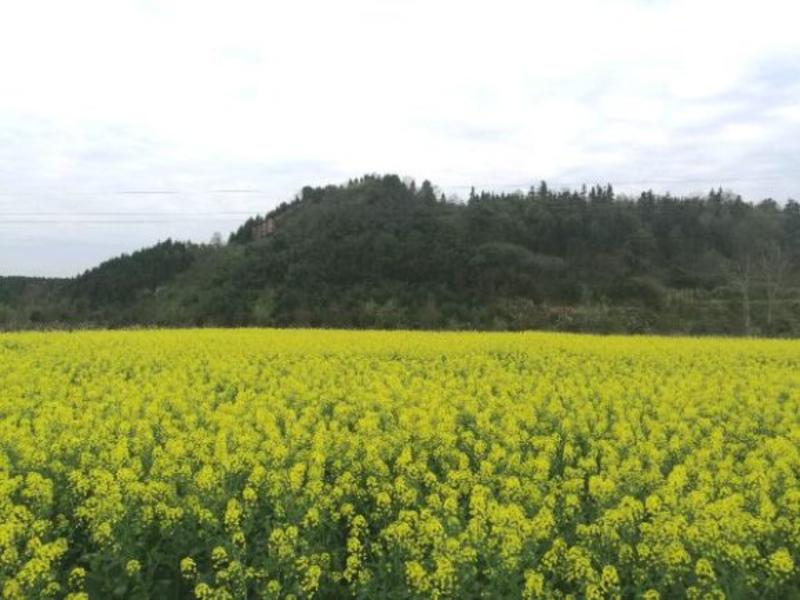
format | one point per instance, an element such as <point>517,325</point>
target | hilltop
<point>383,252</point>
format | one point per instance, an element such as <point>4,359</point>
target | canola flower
<point>327,464</point>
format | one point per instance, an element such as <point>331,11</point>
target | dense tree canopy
<point>384,252</point>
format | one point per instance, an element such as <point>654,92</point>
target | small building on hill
<point>263,229</point>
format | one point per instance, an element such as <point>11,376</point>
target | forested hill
<point>382,252</point>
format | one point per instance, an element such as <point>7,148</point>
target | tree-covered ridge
<point>118,281</point>
<point>380,251</point>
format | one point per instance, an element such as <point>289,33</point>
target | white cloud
<point>97,97</point>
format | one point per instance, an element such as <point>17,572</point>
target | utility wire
<point>716,180</point>
<point>29,217</point>
<point>34,213</point>
<point>109,221</point>
<point>131,192</point>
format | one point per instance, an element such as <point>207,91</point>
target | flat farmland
<point>297,463</point>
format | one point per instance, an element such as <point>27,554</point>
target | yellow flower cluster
<point>298,464</point>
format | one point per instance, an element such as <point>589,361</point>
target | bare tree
<point>774,265</point>
<point>742,278</point>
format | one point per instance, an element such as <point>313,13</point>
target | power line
<point>145,192</point>
<point>163,192</point>
<point>111,221</point>
<point>34,213</point>
<point>485,185</point>
<point>133,192</point>
<point>141,217</point>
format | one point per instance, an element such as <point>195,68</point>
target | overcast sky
<point>233,106</point>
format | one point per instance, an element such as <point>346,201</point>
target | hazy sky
<point>234,106</point>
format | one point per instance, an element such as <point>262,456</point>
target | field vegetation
<point>330,464</point>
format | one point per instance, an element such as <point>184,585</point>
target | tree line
<point>381,251</point>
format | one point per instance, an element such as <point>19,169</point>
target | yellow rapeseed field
<point>292,464</point>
